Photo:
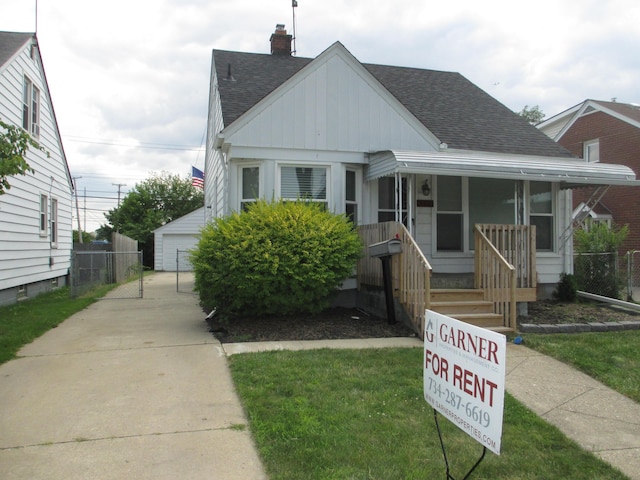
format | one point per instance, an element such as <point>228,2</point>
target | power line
<point>154,146</point>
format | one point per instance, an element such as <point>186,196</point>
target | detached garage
<point>180,235</point>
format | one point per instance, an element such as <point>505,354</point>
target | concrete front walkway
<point>134,388</point>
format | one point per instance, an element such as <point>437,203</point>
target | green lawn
<point>361,414</point>
<point>27,320</point>
<point>612,358</point>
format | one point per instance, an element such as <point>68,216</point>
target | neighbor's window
<point>250,186</point>
<point>304,183</point>
<point>351,202</point>
<point>541,214</point>
<point>450,214</point>
<point>31,108</point>
<point>54,221</point>
<point>43,214</point>
<point>591,151</point>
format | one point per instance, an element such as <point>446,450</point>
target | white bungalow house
<point>427,150</point>
<point>36,212</point>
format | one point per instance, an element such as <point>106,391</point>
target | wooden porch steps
<point>467,305</point>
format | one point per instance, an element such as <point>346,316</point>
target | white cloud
<point>136,72</point>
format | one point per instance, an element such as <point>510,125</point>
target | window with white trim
<point>450,216</point>
<point>541,214</point>
<point>591,151</point>
<point>54,222</point>
<point>44,217</point>
<point>387,193</point>
<point>304,183</point>
<point>31,108</point>
<point>250,185</point>
<point>350,195</point>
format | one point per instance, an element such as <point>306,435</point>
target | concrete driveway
<point>133,388</point>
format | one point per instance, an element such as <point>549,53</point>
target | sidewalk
<point>599,419</point>
<point>134,388</point>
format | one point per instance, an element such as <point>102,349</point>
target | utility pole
<point>119,185</point>
<point>75,187</point>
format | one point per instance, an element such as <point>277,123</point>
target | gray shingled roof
<point>10,42</point>
<point>628,110</point>
<point>450,106</point>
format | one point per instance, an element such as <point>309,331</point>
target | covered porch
<point>501,218</point>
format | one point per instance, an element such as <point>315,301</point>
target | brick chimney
<point>280,41</point>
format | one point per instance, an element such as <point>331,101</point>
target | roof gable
<point>332,103</point>
<point>559,124</point>
<point>446,104</point>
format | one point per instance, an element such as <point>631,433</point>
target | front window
<point>541,214</point>
<point>250,178</point>
<point>387,194</point>
<point>491,200</point>
<point>450,216</point>
<point>304,183</point>
<point>351,199</point>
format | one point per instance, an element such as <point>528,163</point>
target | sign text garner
<point>464,376</point>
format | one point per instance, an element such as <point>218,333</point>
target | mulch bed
<point>335,323</point>
<point>343,323</point>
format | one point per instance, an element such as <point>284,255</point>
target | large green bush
<point>274,258</point>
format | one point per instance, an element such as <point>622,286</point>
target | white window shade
<point>303,183</point>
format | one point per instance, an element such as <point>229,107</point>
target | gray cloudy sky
<point>129,78</point>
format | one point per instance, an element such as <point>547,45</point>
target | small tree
<point>152,203</point>
<point>14,143</point>
<point>596,265</point>
<point>533,115</point>
<point>274,258</point>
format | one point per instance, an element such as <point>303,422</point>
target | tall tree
<point>532,115</point>
<point>14,143</point>
<point>152,203</point>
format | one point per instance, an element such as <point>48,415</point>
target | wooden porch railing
<point>411,271</point>
<point>496,276</point>
<point>517,244</point>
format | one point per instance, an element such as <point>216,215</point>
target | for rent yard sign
<point>464,372</point>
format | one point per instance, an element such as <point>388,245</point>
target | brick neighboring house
<point>604,132</point>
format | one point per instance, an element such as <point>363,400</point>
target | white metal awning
<point>570,173</point>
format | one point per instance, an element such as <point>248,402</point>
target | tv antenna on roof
<point>294,4</point>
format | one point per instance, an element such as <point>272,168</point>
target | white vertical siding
<point>26,256</point>
<point>335,106</point>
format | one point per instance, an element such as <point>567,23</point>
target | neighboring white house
<point>173,240</point>
<point>36,212</point>
<point>379,143</point>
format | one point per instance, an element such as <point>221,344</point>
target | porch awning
<point>568,172</point>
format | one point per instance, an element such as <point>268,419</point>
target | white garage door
<point>171,243</point>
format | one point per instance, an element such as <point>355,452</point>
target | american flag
<point>197,177</point>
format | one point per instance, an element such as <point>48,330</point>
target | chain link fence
<point>608,275</point>
<point>633,275</point>
<point>90,269</point>
<point>184,272</point>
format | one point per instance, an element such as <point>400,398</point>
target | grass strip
<point>361,414</point>
<point>25,321</point>
<point>612,358</point>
